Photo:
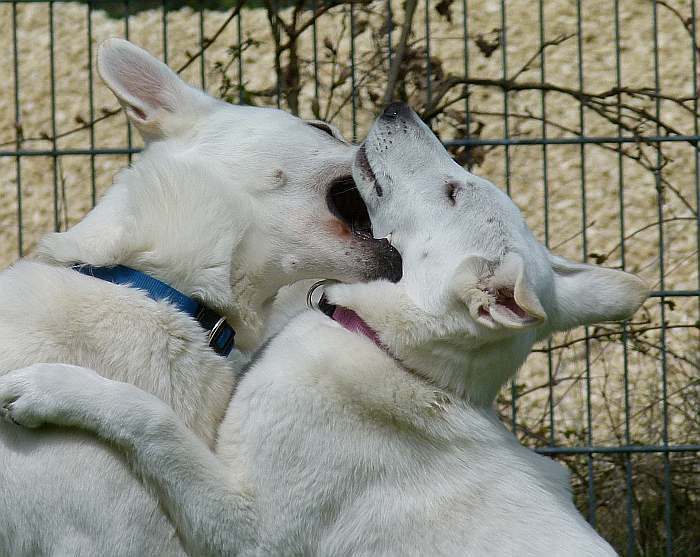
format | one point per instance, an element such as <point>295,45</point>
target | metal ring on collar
<point>315,286</point>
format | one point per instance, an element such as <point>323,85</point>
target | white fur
<point>226,204</point>
<point>333,446</point>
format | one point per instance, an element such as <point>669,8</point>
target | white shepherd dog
<point>226,205</point>
<point>367,428</point>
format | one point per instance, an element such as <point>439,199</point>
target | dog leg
<point>210,505</point>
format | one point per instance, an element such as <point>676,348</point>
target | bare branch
<point>611,334</point>
<point>400,51</point>
<point>554,42</point>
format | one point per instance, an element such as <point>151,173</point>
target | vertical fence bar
<point>18,133</point>
<point>239,42</point>
<point>52,65</point>
<point>629,508</point>
<point>584,242</point>
<point>91,103</point>
<point>545,193</point>
<point>276,32</point>
<point>239,39</point>
<point>506,123</point>
<point>164,25</point>
<point>314,38</point>
<point>389,30</point>
<point>127,14</point>
<point>129,137</point>
<point>506,136</point>
<point>543,109</point>
<point>428,66</point>
<point>696,131</point>
<point>202,63</point>
<point>465,54</point>
<point>662,287</point>
<point>353,77</point>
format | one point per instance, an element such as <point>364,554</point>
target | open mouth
<point>345,203</point>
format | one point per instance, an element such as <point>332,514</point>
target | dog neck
<point>471,373</point>
<point>468,366</point>
<point>475,374</point>
<point>193,246</point>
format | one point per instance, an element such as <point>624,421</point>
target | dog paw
<point>43,394</point>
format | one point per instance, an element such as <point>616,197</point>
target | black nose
<point>397,109</point>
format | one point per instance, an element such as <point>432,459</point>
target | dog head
<point>228,203</point>
<point>478,290</point>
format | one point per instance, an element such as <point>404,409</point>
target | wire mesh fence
<point>585,112</point>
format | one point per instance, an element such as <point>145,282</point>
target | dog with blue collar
<point>179,261</point>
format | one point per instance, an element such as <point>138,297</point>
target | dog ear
<point>587,294</point>
<point>155,99</point>
<point>498,295</point>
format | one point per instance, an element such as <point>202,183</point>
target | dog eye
<point>453,189</point>
<point>320,125</point>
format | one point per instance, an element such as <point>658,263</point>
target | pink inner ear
<point>506,298</point>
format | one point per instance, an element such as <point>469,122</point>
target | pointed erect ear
<point>587,294</point>
<point>156,100</point>
<point>498,295</point>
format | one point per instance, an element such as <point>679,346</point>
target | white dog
<point>372,432</point>
<point>226,205</point>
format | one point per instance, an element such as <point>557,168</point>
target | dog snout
<point>397,110</point>
<point>388,263</point>
<point>394,265</point>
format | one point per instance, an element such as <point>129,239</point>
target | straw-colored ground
<point>573,175</point>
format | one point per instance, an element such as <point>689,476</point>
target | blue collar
<point>220,333</point>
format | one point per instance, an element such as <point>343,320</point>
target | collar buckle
<point>221,337</point>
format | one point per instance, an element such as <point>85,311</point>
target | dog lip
<point>362,163</point>
<point>390,262</point>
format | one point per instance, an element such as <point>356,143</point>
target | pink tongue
<point>354,323</point>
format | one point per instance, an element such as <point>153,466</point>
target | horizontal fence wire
<point>425,45</point>
<point>623,449</point>
<point>692,139</point>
